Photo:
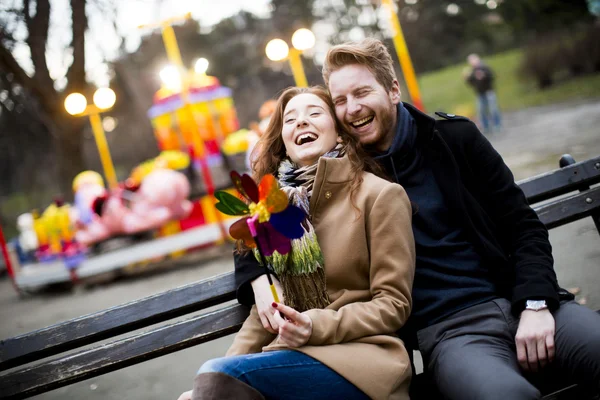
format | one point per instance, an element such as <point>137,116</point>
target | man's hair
<point>369,52</point>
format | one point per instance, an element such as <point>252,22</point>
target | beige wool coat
<point>369,268</point>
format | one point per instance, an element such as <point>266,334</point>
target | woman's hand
<point>263,299</point>
<point>295,329</point>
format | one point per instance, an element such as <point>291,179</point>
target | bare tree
<point>35,17</point>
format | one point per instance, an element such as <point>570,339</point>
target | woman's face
<point>308,129</point>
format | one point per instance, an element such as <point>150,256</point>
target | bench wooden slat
<point>567,179</point>
<point>122,353</point>
<point>116,321</point>
<point>571,209</point>
<point>180,301</point>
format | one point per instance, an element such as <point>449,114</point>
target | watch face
<point>535,305</point>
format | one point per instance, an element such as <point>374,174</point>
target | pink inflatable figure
<point>161,197</point>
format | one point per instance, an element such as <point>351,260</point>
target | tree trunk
<point>69,152</point>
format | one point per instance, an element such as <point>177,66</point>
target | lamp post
<point>104,98</point>
<point>404,57</point>
<point>278,50</point>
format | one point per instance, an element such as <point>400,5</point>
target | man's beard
<point>385,136</point>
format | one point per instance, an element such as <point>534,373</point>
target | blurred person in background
<point>481,78</point>
<point>488,312</point>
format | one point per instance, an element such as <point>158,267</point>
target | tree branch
<point>37,28</point>
<point>76,72</point>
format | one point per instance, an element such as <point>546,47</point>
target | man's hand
<point>295,329</point>
<point>535,339</point>
<point>263,298</point>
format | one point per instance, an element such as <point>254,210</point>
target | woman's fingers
<point>296,329</point>
<point>265,319</point>
<point>263,298</point>
<point>288,312</point>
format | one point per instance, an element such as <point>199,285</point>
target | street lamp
<point>104,98</point>
<point>171,78</point>
<point>278,50</point>
<point>201,66</point>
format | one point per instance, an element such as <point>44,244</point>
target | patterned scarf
<point>301,271</point>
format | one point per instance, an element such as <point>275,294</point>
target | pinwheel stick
<point>264,261</point>
<point>253,231</point>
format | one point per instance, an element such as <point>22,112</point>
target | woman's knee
<point>222,365</point>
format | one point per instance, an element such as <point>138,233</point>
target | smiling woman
<point>345,283</point>
<point>308,130</point>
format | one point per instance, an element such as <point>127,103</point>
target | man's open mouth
<point>362,122</point>
<point>306,138</point>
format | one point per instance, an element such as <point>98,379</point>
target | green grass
<point>446,90</point>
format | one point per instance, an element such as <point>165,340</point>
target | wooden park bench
<point>565,194</point>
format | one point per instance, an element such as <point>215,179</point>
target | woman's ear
<point>340,140</point>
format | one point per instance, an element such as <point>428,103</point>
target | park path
<point>531,143</point>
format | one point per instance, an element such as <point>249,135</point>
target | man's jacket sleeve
<point>522,233</point>
<point>247,269</point>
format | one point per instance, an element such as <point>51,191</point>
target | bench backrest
<point>87,363</point>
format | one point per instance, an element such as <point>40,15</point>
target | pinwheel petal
<point>250,187</point>
<point>271,240</point>
<point>275,199</point>
<point>289,222</point>
<point>230,205</point>
<point>237,182</point>
<point>239,230</point>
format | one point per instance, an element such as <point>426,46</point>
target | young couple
<point>485,308</point>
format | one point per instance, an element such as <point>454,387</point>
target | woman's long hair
<point>271,149</point>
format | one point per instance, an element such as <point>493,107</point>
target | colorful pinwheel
<point>270,221</point>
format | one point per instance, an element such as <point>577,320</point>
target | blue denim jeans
<point>286,374</point>
<point>487,108</point>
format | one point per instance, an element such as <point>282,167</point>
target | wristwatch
<point>536,305</point>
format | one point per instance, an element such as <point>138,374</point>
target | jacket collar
<point>330,170</point>
<point>425,123</point>
<point>334,170</point>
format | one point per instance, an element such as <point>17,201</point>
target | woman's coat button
<point>328,195</point>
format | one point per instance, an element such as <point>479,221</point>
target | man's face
<point>363,105</point>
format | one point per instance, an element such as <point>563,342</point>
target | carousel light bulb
<point>104,98</point>
<point>303,39</point>
<point>201,66</point>
<point>171,77</point>
<point>75,103</point>
<point>277,50</point>
<point>109,124</point>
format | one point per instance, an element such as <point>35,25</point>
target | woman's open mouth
<point>306,138</point>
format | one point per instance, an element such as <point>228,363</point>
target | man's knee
<point>578,342</point>
<point>478,375</point>
<point>491,389</point>
<point>519,390</point>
